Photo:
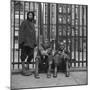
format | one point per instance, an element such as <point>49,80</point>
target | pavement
<point>76,78</point>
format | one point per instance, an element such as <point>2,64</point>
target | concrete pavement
<point>76,78</point>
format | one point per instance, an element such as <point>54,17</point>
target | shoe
<point>26,73</point>
<point>37,76</point>
<point>48,75</point>
<point>27,66</point>
<point>54,75</point>
<point>67,74</point>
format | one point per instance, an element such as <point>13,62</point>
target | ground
<point>76,78</point>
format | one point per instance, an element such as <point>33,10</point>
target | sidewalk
<point>76,78</point>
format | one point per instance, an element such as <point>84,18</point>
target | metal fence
<point>53,21</point>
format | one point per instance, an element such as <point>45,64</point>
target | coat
<point>27,35</point>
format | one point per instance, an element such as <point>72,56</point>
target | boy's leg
<point>30,57</point>
<point>66,58</point>
<point>67,68</point>
<point>27,66</point>
<point>23,67</point>
<point>36,67</point>
<point>28,60</point>
<point>49,66</point>
<point>23,57</point>
<point>55,71</point>
<point>56,62</point>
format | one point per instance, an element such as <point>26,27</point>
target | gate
<point>53,22</point>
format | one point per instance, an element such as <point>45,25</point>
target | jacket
<point>27,35</point>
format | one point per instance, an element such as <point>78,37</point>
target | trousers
<point>27,51</point>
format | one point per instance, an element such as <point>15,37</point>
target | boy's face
<point>30,16</point>
<point>62,45</point>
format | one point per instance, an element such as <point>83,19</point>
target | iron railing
<point>53,21</point>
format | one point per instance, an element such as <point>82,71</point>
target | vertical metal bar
<point>29,6</point>
<point>51,20</point>
<point>82,31</point>
<point>34,25</point>
<point>29,10</point>
<point>86,36</point>
<point>48,33</point>
<point>71,37</point>
<point>66,29</point>
<point>33,6</point>
<point>18,36</point>
<point>79,36</point>
<point>38,23</point>
<point>11,34</point>
<point>24,10</point>
<point>11,58</point>
<point>62,24</point>
<point>56,26</point>
<point>14,37</point>
<point>45,21</point>
<point>75,35</point>
<point>40,20</point>
<point>72,43</point>
<point>77,55</point>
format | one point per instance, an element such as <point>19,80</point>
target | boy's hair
<point>29,13</point>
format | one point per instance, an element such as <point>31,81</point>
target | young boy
<point>44,59</point>
<point>27,41</point>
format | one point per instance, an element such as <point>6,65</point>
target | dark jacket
<point>27,35</point>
